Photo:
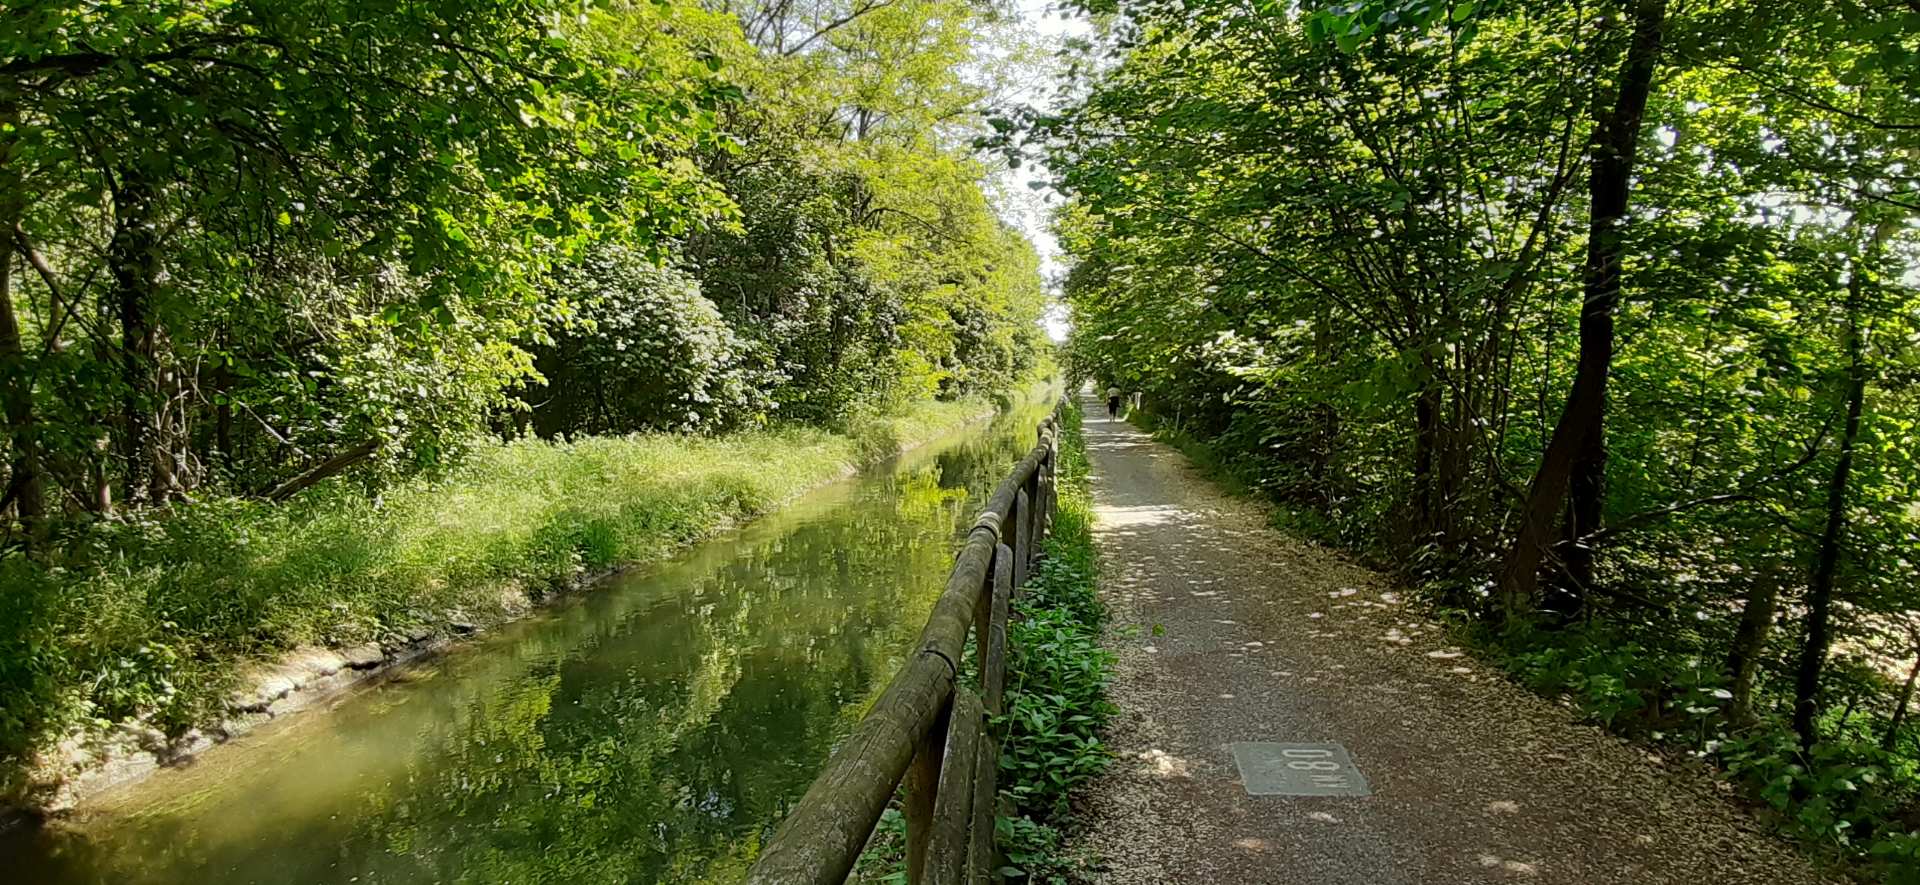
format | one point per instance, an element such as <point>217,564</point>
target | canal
<point>653,729</point>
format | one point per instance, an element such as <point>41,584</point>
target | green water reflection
<point>652,731</point>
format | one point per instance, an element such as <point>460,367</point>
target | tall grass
<point>154,618</point>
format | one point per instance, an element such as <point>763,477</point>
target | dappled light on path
<point>1229,632</point>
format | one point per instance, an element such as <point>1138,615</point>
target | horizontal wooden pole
<point>1001,502</point>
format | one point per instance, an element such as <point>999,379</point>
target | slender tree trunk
<point>1892,737</point>
<point>133,256</point>
<point>1743,660</point>
<point>57,306</point>
<point>1609,185</point>
<point>24,478</point>
<point>24,485</point>
<point>333,466</point>
<point>170,439</point>
<point>223,415</point>
<point>1587,494</point>
<point>1819,635</point>
<point>101,498</point>
<point>1426,419</point>
<point>1846,713</point>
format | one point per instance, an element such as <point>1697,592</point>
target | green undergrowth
<point>1848,796</point>
<point>154,618</point>
<point>1056,702</point>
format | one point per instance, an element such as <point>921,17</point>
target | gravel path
<point>1229,631</point>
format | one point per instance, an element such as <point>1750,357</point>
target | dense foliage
<point>248,241</point>
<point>1598,319</point>
<point>249,246</point>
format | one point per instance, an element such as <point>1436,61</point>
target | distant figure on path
<point>1113,402</point>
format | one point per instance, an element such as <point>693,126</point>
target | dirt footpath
<point>1228,632</point>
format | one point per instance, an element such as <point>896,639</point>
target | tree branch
<point>837,24</point>
<point>324,469</point>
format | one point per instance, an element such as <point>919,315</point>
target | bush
<point>1056,703</point>
<point>645,352</point>
<point>1846,795</point>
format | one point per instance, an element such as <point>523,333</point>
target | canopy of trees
<point>251,244</point>
<point>1598,318</point>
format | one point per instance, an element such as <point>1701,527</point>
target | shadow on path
<point>1229,631</point>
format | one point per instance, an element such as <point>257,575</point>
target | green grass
<point>882,436</point>
<point>155,618</point>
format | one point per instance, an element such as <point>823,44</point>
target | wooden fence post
<point>923,786</point>
<point>983,858</point>
<point>949,847</point>
<point>1023,538</point>
<point>993,644</point>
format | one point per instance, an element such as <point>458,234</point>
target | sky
<point>1025,207</point>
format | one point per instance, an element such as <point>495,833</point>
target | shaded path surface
<point>1228,631</point>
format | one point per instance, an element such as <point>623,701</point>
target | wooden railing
<point>927,729</point>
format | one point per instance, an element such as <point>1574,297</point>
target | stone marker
<point>1270,769</point>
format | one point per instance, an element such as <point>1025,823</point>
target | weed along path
<point>1251,663</point>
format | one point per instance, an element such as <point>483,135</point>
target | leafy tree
<point>183,158</point>
<point>646,352</point>
<point>1348,247</point>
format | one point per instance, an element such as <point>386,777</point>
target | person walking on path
<point>1113,402</point>
<point>1245,656</point>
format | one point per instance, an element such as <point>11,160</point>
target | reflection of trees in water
<point>650,733</point>
<point>981,462</point>
<point>666,772</point>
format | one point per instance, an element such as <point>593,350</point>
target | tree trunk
<point>101,497</point>
<point>134,258</point>
<point>169,441</point>
<point>1819,636</point>
<point>1743,660</point>
<point>1426,419</point>
<point>223,415</point>
<point>1609,185</point>
<point>24,484</point>
<point>1892,737</point>
<point>1587,491</point>
<point>334,465</point>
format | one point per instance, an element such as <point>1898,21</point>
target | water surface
<point>651,730</point>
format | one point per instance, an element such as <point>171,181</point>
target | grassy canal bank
<point>170,634</point>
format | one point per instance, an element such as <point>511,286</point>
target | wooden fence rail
<point>928,730</point>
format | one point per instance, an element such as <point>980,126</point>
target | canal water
<point>653,729</point>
